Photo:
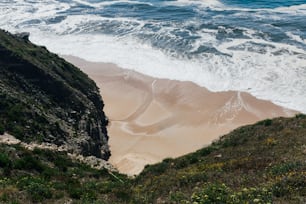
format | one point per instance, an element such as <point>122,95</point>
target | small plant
<point>178,197</point>
<point>5,160</point>
<point>157,169</point>
<point>212,193</point>
<point>302,116</point>
<point>270,141</point>
<point>28,162</point>
<point>5,163</point>
<point>285,168</point>
<point>289,185</point>
<point>36,188</point>
<point>2,129</point>
<point>267,122</point>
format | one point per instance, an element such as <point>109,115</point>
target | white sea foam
<point>269,70</point>
<point>297,38</point>
<point>108,3</point>
<point>202,3</point>
<point>14,17</point>
<point>218,6</point>
<point>279,78</point>
<point>297,9</point>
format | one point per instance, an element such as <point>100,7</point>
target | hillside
<point>260,163</point>
<point>45,99</point>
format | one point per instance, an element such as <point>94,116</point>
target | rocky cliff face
<point>45,99</point>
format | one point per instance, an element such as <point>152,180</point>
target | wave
<point>108,3</point>
<point>274,75</point>
<point>296,38</point>
<point>202,3</point>
<point>213,45</point>
<point>219,6</point>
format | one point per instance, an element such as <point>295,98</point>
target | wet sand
<point>153,119</point>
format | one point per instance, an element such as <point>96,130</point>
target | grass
<point>49,177</point>
<point>260,163</point>
<point>254,164</point>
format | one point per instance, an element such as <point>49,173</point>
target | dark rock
<point>24,35</point>
<point>43,98</point>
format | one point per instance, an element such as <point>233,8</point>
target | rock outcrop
<point>45,99</point>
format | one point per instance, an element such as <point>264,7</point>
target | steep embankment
<point>45,99</point>
<point>261,163</point>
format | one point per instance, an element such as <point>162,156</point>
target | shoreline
<point>152,119</point>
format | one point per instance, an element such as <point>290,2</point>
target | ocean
<point>256,46</point>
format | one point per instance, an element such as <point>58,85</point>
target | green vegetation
<point>261,163</point>
<point>254,164</point>
<point>49,177</point>
<point>45,99</point>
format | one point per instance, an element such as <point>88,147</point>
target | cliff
<point>45,99</point>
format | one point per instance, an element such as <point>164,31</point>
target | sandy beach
<point>152,119</point>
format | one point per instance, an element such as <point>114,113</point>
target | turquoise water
<point>258,46</point>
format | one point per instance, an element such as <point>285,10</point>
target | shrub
<point>266,122</point>
<point>5,160</point>
<point>290,185</point>
<point>74,188</point>
<point>216,193</point>
<point>2,129</point>
<point>252,195</point>
<point>207,150</point>
<point>302,116</point>
<point>49,173</point>
<point>158,168</point>
<point>37,189</point>
<point>178,197</point>
<point>122,194</point>
<point>284,168</point>
<point>89,192</point>
<point>17,131</point>
<point>212,193</point>
<point>62,163</point>
<point>28,162</point>
<point>181,163</point>
<point>5,163</point>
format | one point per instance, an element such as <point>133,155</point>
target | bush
<point>37,189</point>
<point>286,167</point>
<point>266,122</point>
<point>178,197</point>
<point>302,116</point>
<point>252,195</point>
<point>89,192</point>
<point>290,185</point>
<point>62,163</point>
<point>5,163</point>
<point>5,160</point>
<point>2,129</point>
<point>157,168</point>
<point>74,188</point>
<point>28,162</point>
<point>207,150</point>
<point>216,193</point>
<point>212,193</point>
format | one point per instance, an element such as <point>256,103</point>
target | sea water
<point>257,46</point>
